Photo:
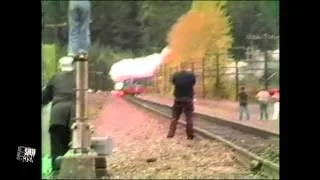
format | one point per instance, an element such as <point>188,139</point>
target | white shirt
<point>263,96</point>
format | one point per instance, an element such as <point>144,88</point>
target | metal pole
<point>155,82</point>
<point>266,84</point>
<point>238,54</point>
<point>81,129</point>
<point>237,80</point>
<point>165,79</point>
<point>217,73</point>
<point>203,80</point>
<point>192,66</point>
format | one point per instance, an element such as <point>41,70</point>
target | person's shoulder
<point>176,73</point>
<point>190,73</point>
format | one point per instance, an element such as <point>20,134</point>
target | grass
<point>46,162</point>
<point>95,103</point>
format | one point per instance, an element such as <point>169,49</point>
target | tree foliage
<point>254,18</point>
<point>142,26</point>
<point>50,56</point>
<point>137,28</point>
<point>202,36</point>
<point>200,33</point>
<point>157,17</point>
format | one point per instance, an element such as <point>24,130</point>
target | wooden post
<point>266,60</point>
<point>237,80</point>
<point>192,66</point>
<point>203,80</point>
<point>217,72</point>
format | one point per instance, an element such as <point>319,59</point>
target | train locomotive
<point>133,87</point>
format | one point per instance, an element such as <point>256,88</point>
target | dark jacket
<point>183,82</point>
<point>61,91</point>
<point>243,98</point>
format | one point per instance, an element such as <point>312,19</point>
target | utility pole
<point>266,60</point>
<point>218,74</point>
<point>238,55</point>
<point>203,79</point>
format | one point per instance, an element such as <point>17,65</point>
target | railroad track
<point>259,146</point>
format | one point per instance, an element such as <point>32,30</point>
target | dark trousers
<point>59,139</point>
<point>244,109</point>
<point>263,111</point>
<point>179,106</point>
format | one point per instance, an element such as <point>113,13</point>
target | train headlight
<point>118,86</point>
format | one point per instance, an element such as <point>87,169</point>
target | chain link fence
<point>223,80</point>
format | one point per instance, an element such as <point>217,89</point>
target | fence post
<point>168,79</point>
<point>155,81</point>
<point>202,78</point>
<point>237,80</point>
<point>164,78</point>
<point>266,83</point>
<point>192,66</point>
<point>217,73</point>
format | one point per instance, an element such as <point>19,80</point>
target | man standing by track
<point>243,102</point>
<point>183,82</point>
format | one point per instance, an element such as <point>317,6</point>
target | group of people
<point>264,98</point>
<point>184,82</point>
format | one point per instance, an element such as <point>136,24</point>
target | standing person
<point>183,82</point>
<point>243,101</point>
<point>79,27</point>
<point>60,90</point>
<point>263,97</point>
<point>276,104</point>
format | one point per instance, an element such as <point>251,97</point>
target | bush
<point>49,61</point>
<point>51,53</point>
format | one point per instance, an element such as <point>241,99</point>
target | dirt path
<point>139,136</point>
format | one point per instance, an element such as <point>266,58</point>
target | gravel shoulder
<point>142,150</point>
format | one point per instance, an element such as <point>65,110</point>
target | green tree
<point>254,18</point>
<point>141,26</point>
<point>157,17</point>
<point>114,23</point>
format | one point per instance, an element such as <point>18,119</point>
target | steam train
<point>134,86</point>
